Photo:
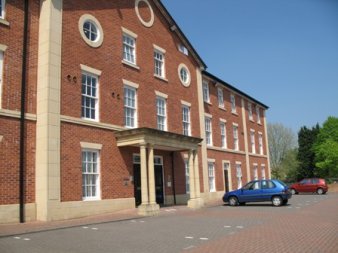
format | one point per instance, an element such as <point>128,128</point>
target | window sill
<point>91,199</point>
<point>208,102</point>
<point>131,64</point>
<point>222,108</point>
<point>259,123</point>
<point>235,113</point>
<point>161,78</point>
<point>252,120</point>
<point>4,22</point>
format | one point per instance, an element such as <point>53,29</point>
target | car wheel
<point>320,191</point>
<point>285,201</point>
<point>293,191</point>
<point>276,201</point>
<point>233,201</point>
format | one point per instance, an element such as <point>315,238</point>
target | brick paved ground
<point>308,224</point>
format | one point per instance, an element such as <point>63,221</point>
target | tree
<point>326,149</point>
<point>306,155</point>
<point>281,141</point>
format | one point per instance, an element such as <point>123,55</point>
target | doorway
<point>226,177</point>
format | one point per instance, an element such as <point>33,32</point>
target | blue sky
<point>284,53</point>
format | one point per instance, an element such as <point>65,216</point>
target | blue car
<point>258,191</point>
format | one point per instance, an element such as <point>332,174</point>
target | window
<point>206,96</point>
<point>223,135</point>
<point>186,120</point>
<point>187,178</point>
<point>144,22</point>
<point>263,171</point>
<point>89,97</point>
<point>208,131</point>
<point>239,175</point>
<point>235,133</point>
<point>2,9</point>
<point>129,49</point>
<point>90,175</point>
<point>220,97</point>
<point>260,143</point>
<point>268,184</point>
<point>159,63</point>
<point>184,74</point>
<point>233,103</point>
<point>90,30</point>
<point>211,175</point>
<point>1,73</point>
<point>258,115</point>
<point>130,107</point>
<point>255,169</point>
<point>250,111</point>
<point>252,141</point>
<point>183,49</point>
<point>161,113</point>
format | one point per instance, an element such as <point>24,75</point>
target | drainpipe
<point>173,175</point>
<point>22,116</point>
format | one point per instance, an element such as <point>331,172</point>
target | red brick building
<point>106,105</point>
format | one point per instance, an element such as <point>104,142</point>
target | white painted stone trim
<point>128,32</point>
<point>185,103</point>
<point>90,70</point>
<point>130,83</point>
<point>152,18</point>
<point>88,17</point>
<point>3,47</point>
<point>88,145</point>
<point>160,94</point>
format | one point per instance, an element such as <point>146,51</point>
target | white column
<point>246,145</point>
<point>144,176</point>
<point>151,171</point>
<point>266,144</point>
<point>192,175</point>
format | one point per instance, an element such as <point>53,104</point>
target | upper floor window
<point>252,141</point>
<point>130,107</point>
<point>235,134</point>
<point>183,49</point>
<point>220,97</point>
<point>186,120</point>
<point>206,96</point>
<point>260,143</point>
<point>258,115</point>
<point>90,175</point>
<point>233,103</point>
<point>211,175</point>
<point>184,74</point>
<point>208,131</point>
<point>90,97</point>
<point>90,30</point>
<point>223,135</point>
<point>250,111</point>
<point>129,48</point>
<point>159,64</point>
<point>161,113</point>
<point>2,9</point>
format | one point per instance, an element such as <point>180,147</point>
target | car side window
<point>267,184</point>
<point>264,184</point>
<point>305,181</point>
<point>315,181</point>
<point>255,186</point>
<point>271,185</point>
<point>248,186</point>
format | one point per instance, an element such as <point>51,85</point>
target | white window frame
<point>239,175</point>
<point>235,136</point>
<point>211,176</point>
<point>3,9</point>
<point>258,114</point>
<point>161,112</point>
<point>129,107</point>
<point>1,74</point>
<point>220,97</point>
<point>183,49</point>
<point>250,111</point>
<point>208,130</point>
<point>206,94</point>
<point>186,123</point>
<point>233,103</point>
<point>255,171</point>
<point>263,171</point>
<point>159,62</point>
<point>223,135</point>
<point>252,141</point>
<point>260,143</point>
<point>90,96</point>
<point>187,177</point>
<point>97,184</point>
<point>129,49</point>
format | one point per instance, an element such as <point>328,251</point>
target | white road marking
<point>85,227</point>
<point>239,227</point>
<point>26,239</point>
<point>142,221</point>
<point>189,237</point>
<point>190,247</point>
<point>17,238</point>
<point>95,229</point>
<point>227,226</point>
<point>204,238</point>
<point>133,221</point>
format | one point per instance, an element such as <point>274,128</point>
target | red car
<point>317,185</point>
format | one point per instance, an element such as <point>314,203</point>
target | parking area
<point>309,223</point>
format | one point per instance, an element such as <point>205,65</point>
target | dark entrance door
<point>226,180</point>
<point>158,184</point>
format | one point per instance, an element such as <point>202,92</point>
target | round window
<point>91,30</point>
<point>144,12</point>
<point>184,74</point>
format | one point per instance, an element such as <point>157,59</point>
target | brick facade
<point>116,163</point>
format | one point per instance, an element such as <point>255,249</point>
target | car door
<point>304,185</point>
<point>268,189</point>
<point>251,192</point>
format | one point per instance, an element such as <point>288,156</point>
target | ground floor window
<point>90,175</point>
<point>211,173</point>
<point>187,178</point>
<point>239,175</point>
<point>263,172</point>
